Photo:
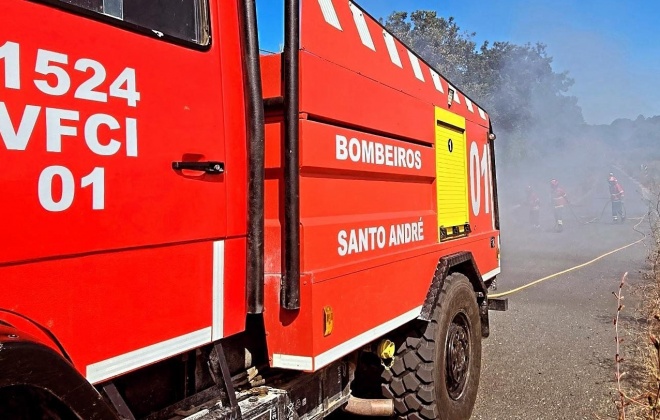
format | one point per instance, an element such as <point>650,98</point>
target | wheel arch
<point>29,365</point>
<point>463,263</point>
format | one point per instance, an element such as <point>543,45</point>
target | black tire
<point>26,403</point>
<point>425,381</point>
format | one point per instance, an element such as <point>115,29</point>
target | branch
<point>621,406</point>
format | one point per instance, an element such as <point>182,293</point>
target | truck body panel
<point>393,176</point>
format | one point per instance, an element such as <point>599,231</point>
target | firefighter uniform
<point>559,200</point>
<point>616,195</point>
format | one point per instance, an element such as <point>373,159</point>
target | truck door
<point>111,128</point>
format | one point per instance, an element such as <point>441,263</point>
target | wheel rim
<point>457,353</point>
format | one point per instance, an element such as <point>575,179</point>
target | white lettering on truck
<point>52,77</point>
<point>375,153</point>
<point>59,123</point>
<point>355,241</point>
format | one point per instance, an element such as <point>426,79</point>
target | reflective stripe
<point>468,102</point>
<point>414,61</point>
<point>366,337</point>
<point>362,28</point>
<point>329,13</point>
<point>436,81</point>
<point>106,369</point>
<point>285,361</point>
<point>218,289</point>
<point>489,275</point>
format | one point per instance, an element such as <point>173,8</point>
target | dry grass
<point>638,396</point>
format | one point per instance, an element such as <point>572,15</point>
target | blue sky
<point>611,48</point>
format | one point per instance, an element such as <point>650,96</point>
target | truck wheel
<point>435,374</point>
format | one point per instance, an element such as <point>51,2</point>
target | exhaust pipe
<point>290,289</point>
<point>362,407</point>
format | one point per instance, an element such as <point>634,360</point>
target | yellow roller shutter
<point>451,174</point>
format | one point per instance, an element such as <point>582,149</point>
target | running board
<point>290,395</point>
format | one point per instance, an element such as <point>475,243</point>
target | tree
<point>436,39</point>
<point>526,100</point>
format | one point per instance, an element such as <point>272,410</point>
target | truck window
<point>183,19</point>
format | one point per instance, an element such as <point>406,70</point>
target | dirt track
<point>551,356</point>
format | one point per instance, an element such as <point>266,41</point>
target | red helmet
<point>554,183</point>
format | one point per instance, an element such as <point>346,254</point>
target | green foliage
<point>438,40</point>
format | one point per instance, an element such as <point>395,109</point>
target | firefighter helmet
<point>554,183</point>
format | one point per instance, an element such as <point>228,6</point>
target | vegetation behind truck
<point>194,231</point>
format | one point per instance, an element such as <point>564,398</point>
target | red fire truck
<point>193,230</point>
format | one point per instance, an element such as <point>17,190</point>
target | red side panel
<point>335,93</point>
<point>274,184</point>
<point>102,306</point>
<point>234,291</point>
<point>354,187</point>
<point>369,241</point>
<point>271,76</point>
<point>480,179</point>
<point>368,187</point>
<point>341,33</point>
<point>234,121</point>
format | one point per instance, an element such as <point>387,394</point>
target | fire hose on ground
<point>577,267</point>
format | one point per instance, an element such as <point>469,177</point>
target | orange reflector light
<point>328,320</point>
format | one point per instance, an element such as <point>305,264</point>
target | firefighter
<point>559,200</point>
<point>534,205</point>
<point>616,195</point>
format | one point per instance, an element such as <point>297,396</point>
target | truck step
<point>498,304</point>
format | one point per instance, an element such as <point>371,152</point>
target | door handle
<point>209,167</point>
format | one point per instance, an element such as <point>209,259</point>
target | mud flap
<point>496,304</point>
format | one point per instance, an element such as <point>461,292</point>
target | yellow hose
<point>525,286</point>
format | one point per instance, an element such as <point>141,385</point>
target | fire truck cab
<point>197,231</point>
